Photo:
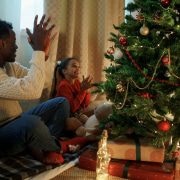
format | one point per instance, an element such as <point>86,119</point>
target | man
<point>38,129</point>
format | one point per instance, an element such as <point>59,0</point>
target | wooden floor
<point>76,173</point>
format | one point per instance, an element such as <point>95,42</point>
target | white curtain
<point>84,27</point>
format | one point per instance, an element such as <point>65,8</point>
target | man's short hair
<point>4,29</point>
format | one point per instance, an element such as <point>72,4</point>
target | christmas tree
<point>143,80</point>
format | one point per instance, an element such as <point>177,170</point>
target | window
<point>126,12</point>
<point>29,8</point>
<point>126,3</point>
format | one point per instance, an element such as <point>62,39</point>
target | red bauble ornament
<point>146,95</point>
<point>163,126</point>
<point>175,154</point>
<point>165,3</point>
<point>123,40</point>
<point>110,50</point>
<point>166,60</point>
<point>139,17</point>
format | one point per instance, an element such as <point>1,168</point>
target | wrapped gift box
<point>177,170</point>
<point>129,169</point>
<point>135,149</point>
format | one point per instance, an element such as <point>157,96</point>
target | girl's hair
<point>61,65</point>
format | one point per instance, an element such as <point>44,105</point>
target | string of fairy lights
<point>152,78</point>
<point>135,46</point>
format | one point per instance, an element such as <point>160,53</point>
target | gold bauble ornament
<point>119,88</point>
<point>144,30</point>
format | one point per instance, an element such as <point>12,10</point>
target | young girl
<point>75,91</point>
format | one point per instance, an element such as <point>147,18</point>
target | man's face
<point>8,48</point>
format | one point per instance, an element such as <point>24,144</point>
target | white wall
<point>10,11</point>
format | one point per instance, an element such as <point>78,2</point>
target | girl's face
<point>72,70</point>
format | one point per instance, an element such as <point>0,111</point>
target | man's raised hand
<point>40,38</point>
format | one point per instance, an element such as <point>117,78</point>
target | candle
<point>103,158</point>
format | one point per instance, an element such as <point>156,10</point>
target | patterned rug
<point>24,166</point>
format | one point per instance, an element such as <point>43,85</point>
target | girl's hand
<point>86,83</point>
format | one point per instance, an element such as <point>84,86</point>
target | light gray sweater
<point>20,83</point>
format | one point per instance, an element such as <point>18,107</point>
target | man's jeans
<point>38,128</point>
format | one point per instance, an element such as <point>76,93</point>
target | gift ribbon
<point>138,157</point>
<point>126,169</point>
<point>138,149</point>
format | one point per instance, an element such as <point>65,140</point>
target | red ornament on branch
<point>145,75</point>
<point>110,50</point>
<point>175,154</point>
<point>165,3</point>
<point>146,95</point>
<point>166,60</point>
<point>139,17</point>
<point>123,40</point>
<point>163,126</point>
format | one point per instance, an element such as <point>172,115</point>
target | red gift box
<point>129,169</point>
<point>177,170</point>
